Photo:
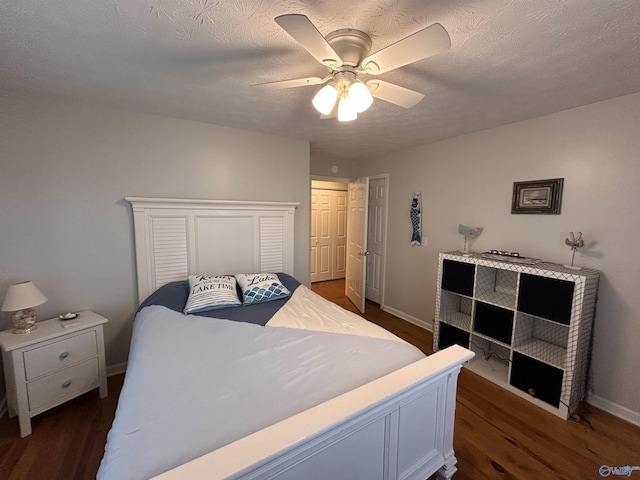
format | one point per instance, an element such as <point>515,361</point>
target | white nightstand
<point>55,363</point>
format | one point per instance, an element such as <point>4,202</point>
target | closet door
<point>321,248</point>
<point>339,237</point>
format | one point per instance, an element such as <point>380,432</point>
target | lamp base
<point>24,321</point>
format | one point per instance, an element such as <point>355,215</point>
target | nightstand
<point>53,364</point>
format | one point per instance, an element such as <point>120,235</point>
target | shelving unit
<point>529,325</point>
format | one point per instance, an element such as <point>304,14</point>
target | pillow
<point>261,287</point>
<point>211,292</point>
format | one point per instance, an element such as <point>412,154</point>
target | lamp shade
<point>346,110</point>
<point>360,95</point>
<point>21,296</point>
<point>325,99</point>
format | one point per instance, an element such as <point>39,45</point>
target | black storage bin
<point>450,335</point>
<point>494,322</point>
<point>538,379</point>
<point>458,277</point>
<point>544,297</point>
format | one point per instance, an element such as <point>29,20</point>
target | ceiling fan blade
<point>395,94</point>
<point>298,82</point>
<point>307,35</point>
<point>429,41</point>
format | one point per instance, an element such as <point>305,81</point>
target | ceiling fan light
<point>325,99</point>
<point>360,96</point>
<point>346,110</point>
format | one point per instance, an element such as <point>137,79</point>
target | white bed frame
<point>399,426</point>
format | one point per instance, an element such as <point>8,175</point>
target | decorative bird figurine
<point>468,232</point>
<point>575,243</point>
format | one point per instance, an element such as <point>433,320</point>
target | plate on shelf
<point>68,316</point>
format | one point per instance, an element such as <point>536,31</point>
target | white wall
<point>65,168</point>
<point>469,179</point>
<point>322,167</point>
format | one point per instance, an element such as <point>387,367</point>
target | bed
<point>294,387</point>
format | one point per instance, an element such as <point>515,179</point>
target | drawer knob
<point>66,384</point>
<point>63,355</point>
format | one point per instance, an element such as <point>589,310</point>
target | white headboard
<point>175,238</point>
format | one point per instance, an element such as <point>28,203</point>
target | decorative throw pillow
<point>211,292</point>
<point>261,287</point>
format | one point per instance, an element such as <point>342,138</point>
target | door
<point>355,282</point>
<point>321,261</point>
<point>328,234</point>
<point>375,238</point>
<point>339,238</point>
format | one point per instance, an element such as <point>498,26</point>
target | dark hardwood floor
<point>497,434</point>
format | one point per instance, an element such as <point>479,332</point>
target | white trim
<point>193,203</point>
<point>615,409</point>
<point>116,369</point>
<point>409,318</point>
<point>323,178</point>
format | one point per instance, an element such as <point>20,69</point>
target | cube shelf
<point>529,325</point>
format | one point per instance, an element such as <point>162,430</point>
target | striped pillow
<point>211,292</point>
<point>261,287</point>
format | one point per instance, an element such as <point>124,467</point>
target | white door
<point>321,261</point>
<point>375,238</point>
<point>357,242</point>
<point>339,237</point>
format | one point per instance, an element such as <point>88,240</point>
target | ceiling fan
<point>345,53</point>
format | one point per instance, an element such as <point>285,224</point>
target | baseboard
<point>116,369</point>
<point>407,317</point>
<point>615,409</point>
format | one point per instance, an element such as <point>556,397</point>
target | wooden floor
<point>498,435</point>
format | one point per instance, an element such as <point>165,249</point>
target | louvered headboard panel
<point>175,238</point>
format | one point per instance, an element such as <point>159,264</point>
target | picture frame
<point>537,196</point>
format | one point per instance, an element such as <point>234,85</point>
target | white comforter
<point>195,384</point>
<point>309,311</point>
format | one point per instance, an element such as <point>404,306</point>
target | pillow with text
<point>261,287</point>
<point>210,292</point>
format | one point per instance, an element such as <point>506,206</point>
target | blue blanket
<point>174,296</point>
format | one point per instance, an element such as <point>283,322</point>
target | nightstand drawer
<point>50,358</point>
<point>64,384</point>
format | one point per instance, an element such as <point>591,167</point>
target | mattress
<point>195,384</point>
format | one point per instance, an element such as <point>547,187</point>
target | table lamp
<point>20,298</point>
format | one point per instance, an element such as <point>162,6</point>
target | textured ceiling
<point>196,59</point>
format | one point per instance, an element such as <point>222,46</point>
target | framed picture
<point>538,196</point>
